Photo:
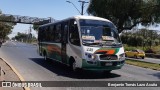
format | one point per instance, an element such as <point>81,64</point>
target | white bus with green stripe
<point>86,42</point>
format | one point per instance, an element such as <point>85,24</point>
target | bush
<point>150,51</point>
<point>127,48</point>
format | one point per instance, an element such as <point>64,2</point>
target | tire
<point>126,55</point>
<point>142,57</point>
<point>73,65</point>
<point>135,56</point>
<point>45,56</point>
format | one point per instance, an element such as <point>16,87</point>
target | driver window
<point>73,33</point>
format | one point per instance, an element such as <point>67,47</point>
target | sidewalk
<point>7,74</point>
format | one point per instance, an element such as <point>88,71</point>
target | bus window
<point>65,32</point>
<point>52,33</point>
<point>73,33</point>
<point>58,33</point>
<point>39,34</point>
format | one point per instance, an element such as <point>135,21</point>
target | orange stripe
<point>110,51</point>
<point>107,51</point>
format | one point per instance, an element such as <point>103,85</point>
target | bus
<point>85,42</point>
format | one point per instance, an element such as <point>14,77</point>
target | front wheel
<point>73,65</point>
<point>142,57</point>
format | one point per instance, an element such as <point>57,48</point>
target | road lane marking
<point>16,72</point>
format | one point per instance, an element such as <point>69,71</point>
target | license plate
<point>108,64</point>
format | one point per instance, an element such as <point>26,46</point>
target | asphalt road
<point>32,67</point>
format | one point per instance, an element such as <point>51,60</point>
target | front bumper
<point>101,65</point>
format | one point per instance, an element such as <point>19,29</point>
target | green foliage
<point>35,27</point>
<point>154,66</point>
<point>21,37</point>
<point>126,14</point>
<point>127,48</point>
<point>5,27</point>
<point>143,38</point>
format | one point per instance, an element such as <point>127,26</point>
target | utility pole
<point>82,7</point>
<point>30,34</point>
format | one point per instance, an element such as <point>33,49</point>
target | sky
<point>57,9</point>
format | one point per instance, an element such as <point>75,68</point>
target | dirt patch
<point>7,74</point>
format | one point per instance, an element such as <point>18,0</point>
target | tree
<point>142,37</point>
<point>21,37</point>
<point>35,27</point>
<point>126,14</point>
<point>5,27</point>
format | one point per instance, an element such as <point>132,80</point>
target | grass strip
<point>144,64</point>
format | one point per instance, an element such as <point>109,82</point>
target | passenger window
<point>58,33</point>
<point>52,33</point>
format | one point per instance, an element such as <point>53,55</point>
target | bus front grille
<point>108,57</point>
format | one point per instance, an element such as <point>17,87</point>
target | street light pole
<point>82,7</point>
<point>83,2</point>
<point>74,6</point>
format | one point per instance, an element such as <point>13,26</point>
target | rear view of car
<point>135,53</point>
<point>140,53</point>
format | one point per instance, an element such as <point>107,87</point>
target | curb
<point>16,72</point>
<point>141,60</point>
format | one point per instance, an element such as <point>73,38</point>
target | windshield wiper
<point>111,44</point>
<point>90,43</point>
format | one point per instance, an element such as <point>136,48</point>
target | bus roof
<point>80,17</point>
<point>91,17</point>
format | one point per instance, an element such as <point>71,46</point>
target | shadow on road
<point>63,70</point>
<point>156,74</point>
<point>19,46</point>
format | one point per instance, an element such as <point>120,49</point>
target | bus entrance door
<point>64,42</point>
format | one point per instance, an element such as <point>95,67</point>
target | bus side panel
<point>54,51</point>
<point>39,49</point>
<point>42,48</point>
<point>75,52</point>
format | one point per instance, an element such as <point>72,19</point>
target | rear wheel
<point>45,56</point>
<point>125,55</point>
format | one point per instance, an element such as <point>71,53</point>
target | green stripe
<point>116,50</point>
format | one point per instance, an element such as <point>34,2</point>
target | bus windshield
<point>96,32</point>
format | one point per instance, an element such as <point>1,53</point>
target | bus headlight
<point>90,56</point>
<point>93,57</point>
<point>122,56</point>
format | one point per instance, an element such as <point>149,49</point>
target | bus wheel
<point>126,55</point>
<point>45,56</point>
<point>143,57</point>
<point>72,65</point>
